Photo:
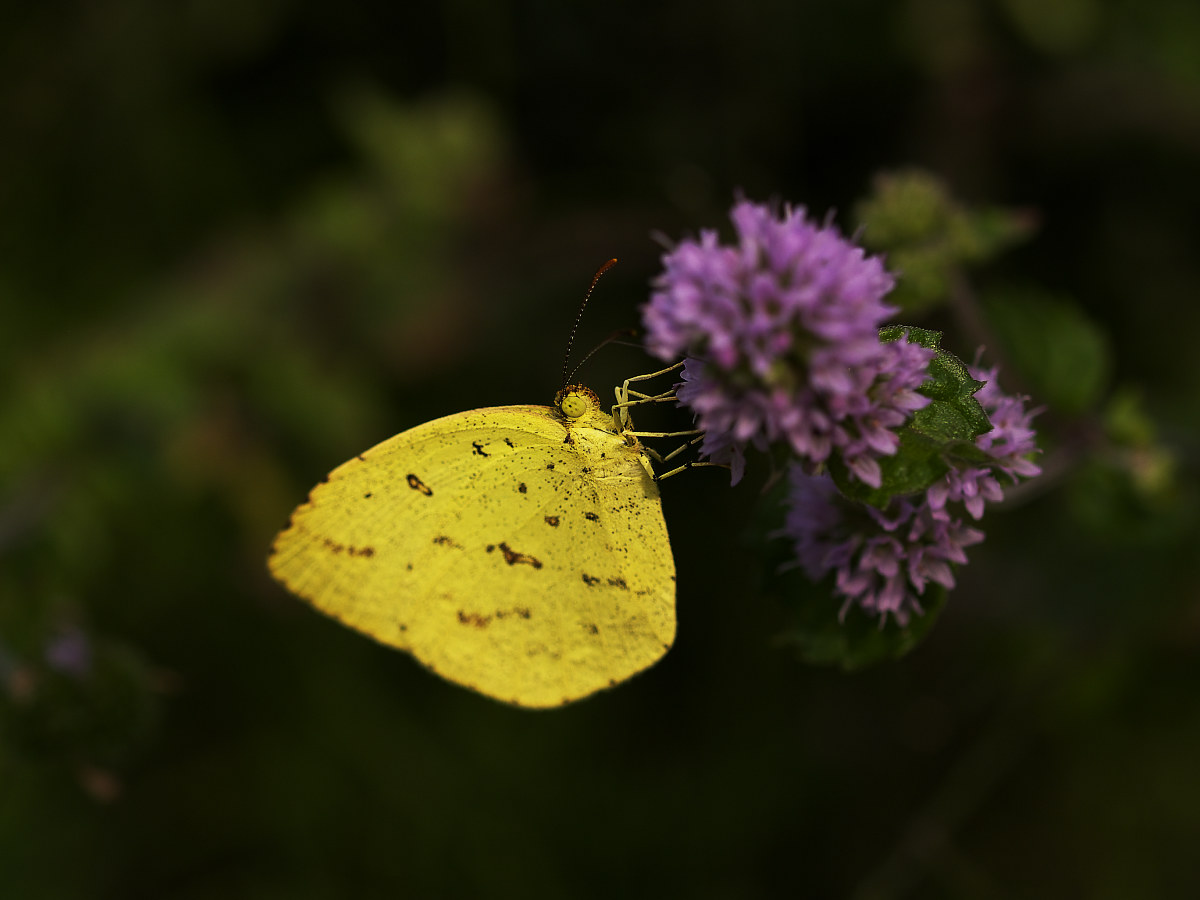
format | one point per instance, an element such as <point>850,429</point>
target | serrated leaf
<point>945,429</point>
<point>925,337</point>
<point>857,641</point>
<point>954,414</point>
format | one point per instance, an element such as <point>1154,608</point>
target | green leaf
<point>928,236</point>
<point>945,429</point>
<point>856,640</point>
<point>1061,354</point>
<point>927,338</point>
<point>917,464</point>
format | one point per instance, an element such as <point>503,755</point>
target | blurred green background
<point>239,243</point>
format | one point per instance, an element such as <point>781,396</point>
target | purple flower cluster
<point>1010,443</point>
<point>780,332</point>
<point>883,560</point>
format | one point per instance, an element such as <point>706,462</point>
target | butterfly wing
<point>507,549</point>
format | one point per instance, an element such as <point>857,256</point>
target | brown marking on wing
<point>336,547</point>
<point>512,557</point>
<point>618,583</point>
<point>521,611</point>
<point>478,449</point>
<point>522,488</point>
<point>590,580</point>
<point>591,517</point>
<point>591,628</point>
<point>418,485</point>
<point>510,443</point>
<point>473,619</point>
<point>446,541</point>
<point>552,521</point>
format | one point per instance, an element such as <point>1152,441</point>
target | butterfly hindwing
<point>508,549</point>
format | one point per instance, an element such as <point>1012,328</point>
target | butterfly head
<point>575,401</point>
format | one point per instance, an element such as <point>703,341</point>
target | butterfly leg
<point>624,393</point>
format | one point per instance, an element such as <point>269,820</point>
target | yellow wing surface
<point>513,550</point>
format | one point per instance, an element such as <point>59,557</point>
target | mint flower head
<point>780,332</point>
<point>883,560</point>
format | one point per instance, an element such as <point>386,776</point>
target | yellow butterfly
<point>519,551</point>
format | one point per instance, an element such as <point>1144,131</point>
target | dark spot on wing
<point>590,628</point>
<point>474,619</point>
<point>418,485</point>
<point>552,521</point>
<point>367,495</point>
<point>549,465</point>
<point>522,488</point>
<point>510,443</point>
<point>618,583</point>
<point>587,471</point>
<point>591,517</point>
<point>521,611</point>
<point>479,449</point>
<point>336,547</point>
<point>403,627</point>
<point>590,580</point>
<point>447,541</point>
<point>512,557</point>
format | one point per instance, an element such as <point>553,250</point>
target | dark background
<point>240,243</point>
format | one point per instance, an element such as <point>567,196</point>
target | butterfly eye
<point>574,405</point>
<point>576,401</point>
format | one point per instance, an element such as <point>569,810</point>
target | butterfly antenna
<point>578,316</point>
<point>612,338</point>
